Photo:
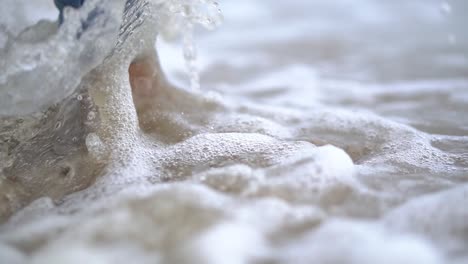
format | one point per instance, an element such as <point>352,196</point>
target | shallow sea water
<point>323,132</point>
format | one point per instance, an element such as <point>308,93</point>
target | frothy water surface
<point>322,132</point>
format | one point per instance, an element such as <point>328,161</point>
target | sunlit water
<point>322,132</point>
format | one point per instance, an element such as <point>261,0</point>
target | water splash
<point>446,10</point>
<point>182,19</point>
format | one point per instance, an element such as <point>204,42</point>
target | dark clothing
<point>61,4</point>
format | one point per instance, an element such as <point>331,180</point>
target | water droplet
<point>95,146</point>
<point>452,39</point>
<point>445,8</point>
<point>91,115</point>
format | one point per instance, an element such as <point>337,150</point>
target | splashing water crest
<point>183,16</point>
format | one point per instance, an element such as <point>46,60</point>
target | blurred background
<point>405,60</point>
